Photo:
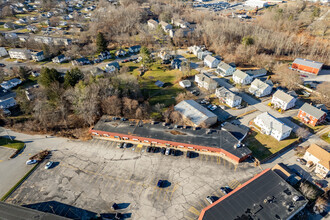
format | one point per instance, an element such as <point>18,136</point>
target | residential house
<point>311,115</point>
<point>202,54</point>
<point>104,55</point>
<point>134,49</point>
<point>38,56</point>
<point>260,88</point>
<point>32,28</point>
<point>10,83</point>
<point>257,73</point>
<point>205,81</point>
<point>176,64</point>
<point>9,25</point>
<point>22,54</point>
<point>59,59</point>
<point>320,157</point>
<point>228,97</point>
<point>211,62</point>
<point>196,113</point>
<point>240,77</point>
<point>185,83</point>
<point>121,52</point>
<point>7,103</point>
<point>195,50</point>
<point>283,100</point>
<point>306,66</point>
<point>272,126</point>
<point>3,52</point>
<point>159,83</point>
<point>96,71</point>
<point>80,62</point>
<point>225,69</point>
<point>152,24</point>
<point>180,23</point>
<point>164,55</point>
<point>166,26</point>
<point>112,67</point>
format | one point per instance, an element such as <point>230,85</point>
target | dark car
<point>153,149</point>
<point>177,152</point>
<point>114,206</point>
<point>148,149</point>
<point>163,150</point>
<point>166,62</point>
<point>160,183</point>
<point>123,119</point>
<point>118,216</point>
<point>189,154</point>
<point>156,149</point>
<point>2,65</point>
<point>225,190</point>
<point>172,152</point>
<point>301,161</point>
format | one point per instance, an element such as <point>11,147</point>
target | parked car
<point>177,152</point>
<point>172,152</point>
<point>29,162</point>
<point>160,183</point>
<point>214,107</point>
<point>163,150</point>
<point>125,145</point>
<point>225,190</point>
<point>2,65</point>
<point>205,102</point>
<point>148,149</point>
<point>48,165</point>
<point>210,199</point>
<point>168,151</point>
<point>301,161</point>
<point>189,154</point>
<point>119,145</point>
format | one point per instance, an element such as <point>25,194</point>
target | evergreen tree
<point>101,43</point>
<point>48,76</point>
<point>146,58</point>
<point>72,77</point>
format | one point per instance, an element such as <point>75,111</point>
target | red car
<point>303,75</point>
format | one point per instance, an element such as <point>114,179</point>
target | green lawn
<point>263,145</point>
<point>311,129</point>
<point>326,138</point>
<point>5,142</point>
<point>165,95</point>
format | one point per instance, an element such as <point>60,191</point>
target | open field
<point>263,145</point>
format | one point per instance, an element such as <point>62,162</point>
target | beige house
<point>320,158</point>
<point>205,81</point>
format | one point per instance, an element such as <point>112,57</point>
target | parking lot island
<point>162,134</point>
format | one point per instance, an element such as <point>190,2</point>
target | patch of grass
<point>5,142</point>
<point>326,138</point>
<point>263,145</point>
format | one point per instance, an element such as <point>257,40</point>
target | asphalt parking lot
<point>89,176</point>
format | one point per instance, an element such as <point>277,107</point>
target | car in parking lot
<point>204,102</point>
<point>301,161</point>
<point>195,92</point>
<point>172,152</point>
<point>125,145</point>
<point>2,65</point>
<point>163,150</point>
<point>225,190</point>
<point>48,165</point>
<point>160,183</point>
<point>148,149</point>
<point>30,162</point>
<point>168,151</point>
<point>210,199</point>
<point>189,154</point>
<point>119,145</point>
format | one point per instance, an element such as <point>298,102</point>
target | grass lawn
<point>11,144</point>
<point>263,145</point>
<point>326,138</point>
<point>165,95</point>
<point>311,129</point>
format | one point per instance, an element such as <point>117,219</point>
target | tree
<point>146,58</point>
<point>101,43</point>
<point>48,76</point>
<point>316,12</point>
<point>287,78</point>
<point>247,41</point>
<point>302,133</point>
<point>112,106</point>
<point>72,77</point>
<point>21,72</point>
<point>45,49</point>
<point>323,93</point>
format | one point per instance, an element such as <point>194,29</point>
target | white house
<point>166,26</point>
<point>202,54</point>
<point>211,62</point>
<point>164,55</point>
<point>240,77</point>
<point>180,23</point>
<point>272,126</point>
<point>185,83</point>
<point>152,24</point>
<point>283,100</point>
<point>228,97</point>
<point>205,81</point>
<point>3,52</point>
<point>112,67</point>
<point>260,88</point>
<point>225,69</point>
<point>22,54</point>
<point>257,73</point>
<point>59,59</point>
<point>195,50</point>
<point>320,158</point>
<point>38,56</point>
<point>10,83</point>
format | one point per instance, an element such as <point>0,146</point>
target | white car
<point>29,162</point>
<point>48,165</point>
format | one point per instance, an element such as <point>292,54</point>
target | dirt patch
<point>177,133</point>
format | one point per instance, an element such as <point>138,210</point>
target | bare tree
<point>323,95</point>
<point>302,133</point>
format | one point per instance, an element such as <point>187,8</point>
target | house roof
<point>224,66</point>
<point>115,64</point>
<point>256,73</point>
<point>266,196</point>
<point>313,111</point>
<point>321,154</point>
<point>210,59</point>
<point>235,130</point>
<point>194,111</point>
<point>309,63</point>
<point>163,23</point>
<point>159,83</point>
<point>240,74</point>
<point>19,50</point>
<point>153,21</point>
<point>283,96</point>
<point>226,93</point>
<point>257,84</point>
<point>273,123</point>
<point>11,102</point>
<point>204,77</point>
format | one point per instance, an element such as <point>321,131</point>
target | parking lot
<point>90,176</point>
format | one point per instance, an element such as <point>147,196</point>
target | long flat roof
<point>266,196</point>
<point>213,138</point>
<point>14,212</point>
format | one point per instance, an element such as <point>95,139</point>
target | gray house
<point>205,81</point>
<point>228,97</point>
<point>196,113</point>
<point>211,62</point>
<point>241,77</point>
<point>3,52</point>
<point>225,69</point>
<point>283,100</point>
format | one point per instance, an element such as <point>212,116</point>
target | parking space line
<point>173,190</point>
<point>224,162</point>
<point>166,194</point>
<point>189,218</point>
<point>236,166</point>
<point>194,211</point>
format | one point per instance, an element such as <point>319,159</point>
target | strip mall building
<point>181,137</point>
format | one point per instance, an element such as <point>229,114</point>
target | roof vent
<point>295,198</point>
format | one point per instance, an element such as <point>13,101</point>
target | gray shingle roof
<point>240,74</point>
<point>313,111</point>
<point>283,96</point>
<point>224,66</point>
<point>226,93</point>
<point>258,84</point>
<point>309,63</point>
<point>194,111</point>
<point>273,123</point>
<point>209,58</point>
